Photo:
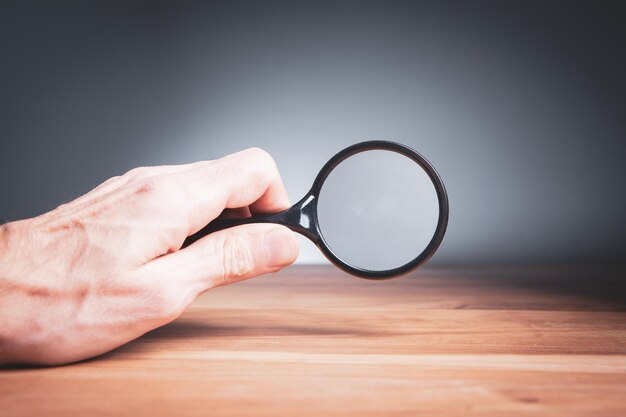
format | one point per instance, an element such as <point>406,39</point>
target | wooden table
<point>311,341</point>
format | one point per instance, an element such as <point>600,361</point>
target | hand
<point>107,267</point>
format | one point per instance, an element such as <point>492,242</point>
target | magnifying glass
<point>376,210</point>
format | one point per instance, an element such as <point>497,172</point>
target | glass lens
<point>377,210</point>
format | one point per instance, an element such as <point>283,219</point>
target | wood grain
<point>311,341</point>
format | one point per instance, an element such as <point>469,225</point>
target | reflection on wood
<point>314,341</point>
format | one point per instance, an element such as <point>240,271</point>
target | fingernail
<point>280,247</point>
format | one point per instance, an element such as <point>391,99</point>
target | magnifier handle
<point>222,224</point>
<point>300,218</point>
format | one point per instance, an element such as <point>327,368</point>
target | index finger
<point>200,194</point>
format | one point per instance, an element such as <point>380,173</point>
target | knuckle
<point>262,157</point>
<point>139,173</point>
<point>107,183</point>
<point>238,257</point>
<point>151,185</point>
<point>258,152</point>
<point>159,195</point>
<point>263,165</point>
<point>112,180</point>
<point>160,198</point>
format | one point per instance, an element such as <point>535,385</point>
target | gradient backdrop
<point>521,107</point>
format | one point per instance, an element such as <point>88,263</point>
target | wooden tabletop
<point>312,341</point>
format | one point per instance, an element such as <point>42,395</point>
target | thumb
<point>231,255</point>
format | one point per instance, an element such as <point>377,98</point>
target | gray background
<point>520,107</point>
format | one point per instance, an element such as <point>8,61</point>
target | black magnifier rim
<point>442,197</point>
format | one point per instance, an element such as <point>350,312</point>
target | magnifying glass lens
<point>377,210</point>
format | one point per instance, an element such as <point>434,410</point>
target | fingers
<point>247,178</point>
<point>227,256</point>
<point>199,195</point>
<point>113,184</point>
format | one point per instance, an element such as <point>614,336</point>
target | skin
<point>102,270</point>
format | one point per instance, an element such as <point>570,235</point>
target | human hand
<point>107,267</point>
